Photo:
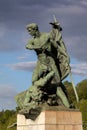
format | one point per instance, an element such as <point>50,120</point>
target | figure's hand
<point>56,25</point>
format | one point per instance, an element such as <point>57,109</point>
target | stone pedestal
<point>51,120</point>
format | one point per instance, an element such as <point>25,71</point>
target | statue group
<point>52,67</point>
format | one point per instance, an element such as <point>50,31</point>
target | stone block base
<point>51,120</point>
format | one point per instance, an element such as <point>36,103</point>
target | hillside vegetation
<point>82,94</point>
<point>7,118</point>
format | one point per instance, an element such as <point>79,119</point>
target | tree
<point>82,89</point>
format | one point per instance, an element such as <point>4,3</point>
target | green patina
<point>51,68</point>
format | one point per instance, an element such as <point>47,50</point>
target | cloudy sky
<point>17,63</point>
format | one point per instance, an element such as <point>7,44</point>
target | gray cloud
<point>8,47</point>
<point>7,91</point>
<point>77,69</point>
<point>25,66</point>
<point>17,13</point>
<point>7,94</point>
<point>26,55</point>
<point>14,15</point>
<point>10,40</point>
<point>77,47</point>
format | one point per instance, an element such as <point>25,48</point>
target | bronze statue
<point>51,68</point>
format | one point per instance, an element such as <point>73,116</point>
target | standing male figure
<point>49,50</point>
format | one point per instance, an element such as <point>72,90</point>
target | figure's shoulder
<point>30,40</point>
<point>45,35</point>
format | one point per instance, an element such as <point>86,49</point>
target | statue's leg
<point>55,69</point>
<point>63,97</point>
<point>40,69</point>
<point>35,75</point>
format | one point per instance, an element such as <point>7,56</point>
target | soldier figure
<point>52,56</point>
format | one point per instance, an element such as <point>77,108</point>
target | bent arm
<point>31,45</point>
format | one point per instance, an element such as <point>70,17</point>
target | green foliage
<point>83,109</point>
<point>82,89</point>
<point>70,92</point>
<point>7,118</point>
<point>82,93</point>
